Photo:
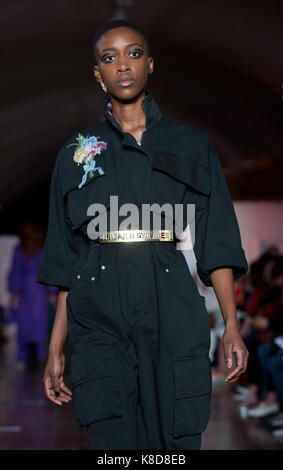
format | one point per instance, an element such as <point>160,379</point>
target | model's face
<point>122,53</point>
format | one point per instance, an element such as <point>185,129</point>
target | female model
<point>138,327</point>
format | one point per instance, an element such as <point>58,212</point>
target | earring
<point>99,79</point>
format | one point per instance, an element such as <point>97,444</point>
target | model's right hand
<point>54,387</point>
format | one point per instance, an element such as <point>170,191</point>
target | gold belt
<point>136,236</point>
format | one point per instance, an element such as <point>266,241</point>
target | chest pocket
<point>173,174</point>
<point>96,190</point>
<point>179,179</point>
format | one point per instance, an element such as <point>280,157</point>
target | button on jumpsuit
<point>138,327</point>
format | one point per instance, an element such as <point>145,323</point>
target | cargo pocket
<point>192,394</point>
<point>95,382</point>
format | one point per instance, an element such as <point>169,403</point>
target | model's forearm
<point>60,325</point>
<point>223,284</point>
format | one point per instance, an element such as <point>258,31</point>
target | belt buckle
<point>117,236</point>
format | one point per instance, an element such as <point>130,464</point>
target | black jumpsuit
<point>138,327</point>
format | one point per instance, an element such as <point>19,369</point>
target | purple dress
<point>32,314</point>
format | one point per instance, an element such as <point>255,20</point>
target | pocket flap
<point>68,186</point>
<point>94,361</point>
<point>192,376</point>
<point>184,167</point>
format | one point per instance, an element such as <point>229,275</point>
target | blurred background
<point>217,65</point>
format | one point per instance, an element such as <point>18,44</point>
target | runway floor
<point>29,421</point>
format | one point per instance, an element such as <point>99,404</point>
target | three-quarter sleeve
<point>62,247</point>
<point>217,235</point>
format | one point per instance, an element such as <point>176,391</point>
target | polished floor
<point>29,421</point>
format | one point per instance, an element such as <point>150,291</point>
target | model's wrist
<point>232,325</point>
<point>55,350</point>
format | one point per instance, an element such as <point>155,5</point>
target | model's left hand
<point>233,343</point>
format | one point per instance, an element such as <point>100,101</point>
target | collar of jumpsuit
<point>152,113</point>
<point>134,174</point>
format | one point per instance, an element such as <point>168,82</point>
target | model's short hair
<point>116,24</point>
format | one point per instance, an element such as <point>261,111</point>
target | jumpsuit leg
<point>140,426</point>
<point>138,318</point>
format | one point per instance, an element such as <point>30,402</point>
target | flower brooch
<point>87,148</point>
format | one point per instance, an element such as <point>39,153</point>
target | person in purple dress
<point>29,299</point>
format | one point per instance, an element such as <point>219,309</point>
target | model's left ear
<point>218,239</point>
<point>150,65</point>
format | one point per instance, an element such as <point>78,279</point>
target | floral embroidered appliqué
<point>87,148</point>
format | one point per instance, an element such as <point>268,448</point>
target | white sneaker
<point>263,410</point>
<point>277,420</point>
<point>278,432</point>
<point>242,390</point>
<point>239,397</point>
